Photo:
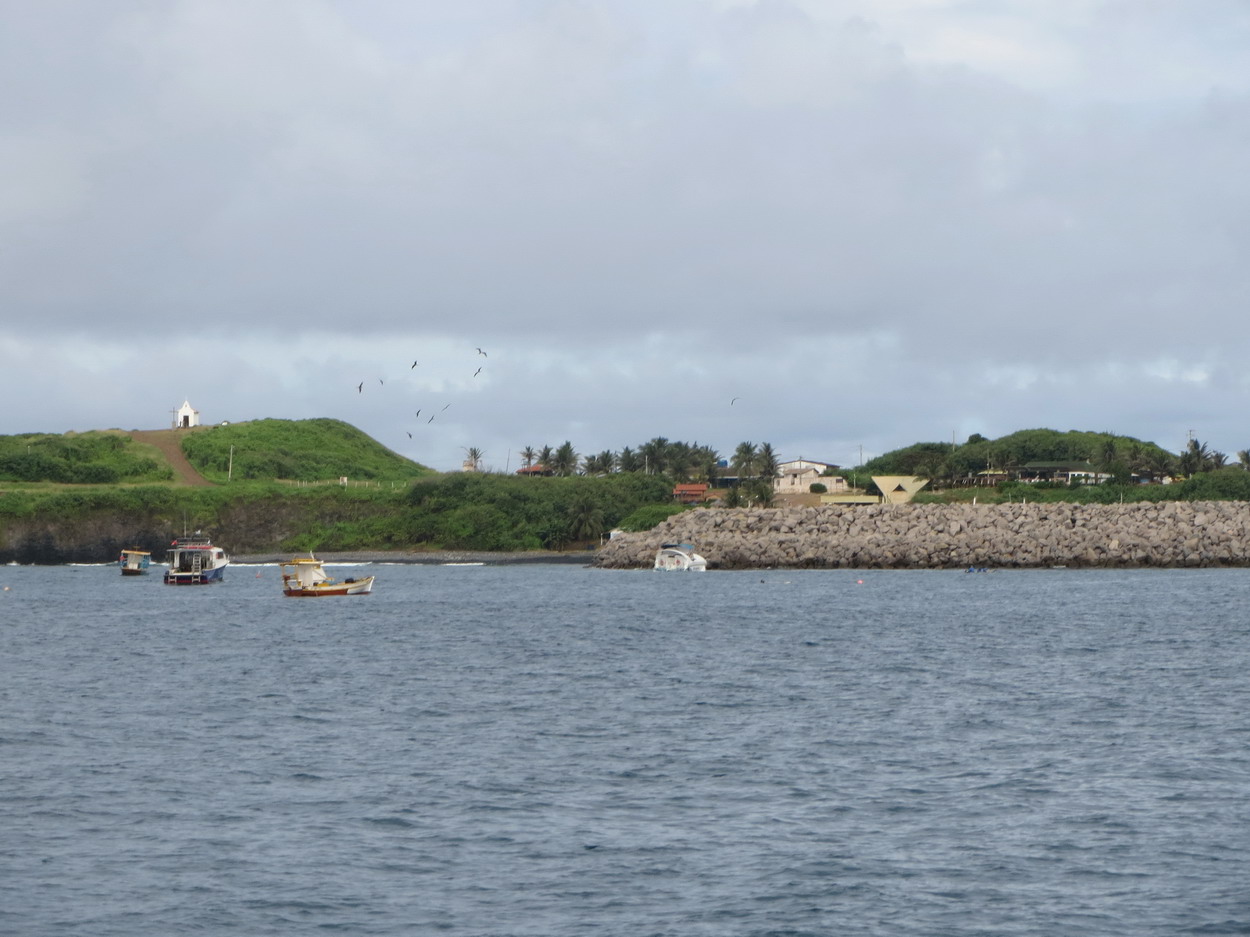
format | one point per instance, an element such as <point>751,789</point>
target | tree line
<point>1120,457</point>
<point>680,461</point>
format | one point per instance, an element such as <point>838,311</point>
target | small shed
<point>186,416</point>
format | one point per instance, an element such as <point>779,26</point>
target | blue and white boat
<point>134,562</point>
<point>194,561</point>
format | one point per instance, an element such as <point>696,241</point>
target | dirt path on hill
<point>169,442</point>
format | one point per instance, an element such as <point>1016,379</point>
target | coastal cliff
<point>936,536</point>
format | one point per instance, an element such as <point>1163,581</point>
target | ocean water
<point>550,750</point>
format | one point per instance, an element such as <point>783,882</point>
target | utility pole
<point>230,465</point>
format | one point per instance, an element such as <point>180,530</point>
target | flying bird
<point>414,364</point>
<point>482,353</point>
<point>409,434</point>
<point>735,400</point>
<point>360,388</point>
<point>477,372</point>
<point>445,406</point>
<point>431,419</point>
<point>380,381</point>
<point>418,414</point>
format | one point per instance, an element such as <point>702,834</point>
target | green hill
<point>1015,449</point>
<point>99,457</point>
<point>298,450</point>
<point>263,450</point>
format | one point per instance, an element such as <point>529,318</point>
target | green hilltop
<point>258,450</point>
<point>99,457</point>
<point>295,450</point>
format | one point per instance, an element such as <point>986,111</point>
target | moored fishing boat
<point>134,562</point>
<point>679,556</point>
<point>305,576</point>
<point>194,561</point>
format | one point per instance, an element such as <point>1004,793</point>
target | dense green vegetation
<point>94,458</point>
<point>498,512</point>
<point>461,511</point>
<point>300,450</point>
<point>947,462</point>
<point>106,482</point>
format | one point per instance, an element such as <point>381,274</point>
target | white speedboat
<point>194,561</point>
<point>679,556</point>
<point>303,577</point>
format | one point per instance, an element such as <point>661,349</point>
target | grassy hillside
<point>1018,448</point>
<point>301,450</point>
<point>99,457</point>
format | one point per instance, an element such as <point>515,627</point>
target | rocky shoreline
<point>952,536</point>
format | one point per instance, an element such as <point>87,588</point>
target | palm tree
<point>760,493</point>
<point>600,464</point>
<point>654,455</point>
<point>1243,459</point>
<point>528,455</point>
<point>767,462</point>
<point>585,518</point>
<point>1161,464</point>
<point>473,458</point>
<point>745,460</point>
<point>564,460</point>
<point>544,458</point>
<point>628,460</point>
<point>1196,458</point>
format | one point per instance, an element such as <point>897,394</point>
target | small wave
<point>398,822</point>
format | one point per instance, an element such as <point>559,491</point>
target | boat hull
<point>134,562</point>
<point>357,587</point>
<point>680,558</point>
<point>202,578</point>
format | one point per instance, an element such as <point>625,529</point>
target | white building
<point>186,416</point>
<point>795,479</point>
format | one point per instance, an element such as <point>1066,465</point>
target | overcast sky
<point>874,222</point>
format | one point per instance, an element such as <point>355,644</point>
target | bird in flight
<point>735,400</point>
<point>360,388</point>
<point>418,414</point>
<point>380,381</point>
<point>409,434</point>
<point>477,372</point>
<point>445,406</point>
<point>431,419</point>
<point>414,364</point>
<point>482,353</point>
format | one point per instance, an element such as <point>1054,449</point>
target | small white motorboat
<point>679,556</point>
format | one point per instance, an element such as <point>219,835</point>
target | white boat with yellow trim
<point>134,562</point>
<point>305,576</point>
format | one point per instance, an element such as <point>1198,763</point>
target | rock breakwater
<point>936,536</point>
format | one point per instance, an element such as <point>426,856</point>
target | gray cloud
<point>875,227</point>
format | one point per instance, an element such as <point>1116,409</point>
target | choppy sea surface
<point>550,750</point>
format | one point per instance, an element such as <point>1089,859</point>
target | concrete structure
<point>798,479</point>
<point>186,416</point>
<point>898,489</point>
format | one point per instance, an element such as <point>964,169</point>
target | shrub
<point>817,488</point>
